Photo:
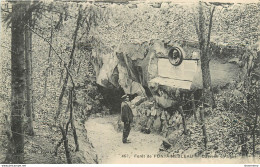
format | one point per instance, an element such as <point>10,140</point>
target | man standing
<point>126,117</point>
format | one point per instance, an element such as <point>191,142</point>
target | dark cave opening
<point>111,98</point>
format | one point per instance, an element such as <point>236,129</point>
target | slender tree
<point>204,43</point>
<point>28,67</point>
<point>18,82</point>
<point>49,58</point>
<point>75,35</point>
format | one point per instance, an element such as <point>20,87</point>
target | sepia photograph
<point>129,82</point>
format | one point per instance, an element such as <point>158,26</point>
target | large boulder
<point>137,88</point>
<point>108,75</point>
<point>131,66</point>
<point>118,71</point>
<point>128,78</point>
<point>134,66</point>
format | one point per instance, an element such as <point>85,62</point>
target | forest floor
<point>106,136</point>
<point>40,148</point>
<point>107,142</point>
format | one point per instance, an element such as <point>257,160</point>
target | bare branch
<point>197,29</point>
<point>50,49</point>
<point>210,26</point>
<point>45,39</point>
<point>67,70</point>
<point>75,35</point>
<point>201,25</point>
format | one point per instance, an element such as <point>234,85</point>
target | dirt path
<point>109,147</point>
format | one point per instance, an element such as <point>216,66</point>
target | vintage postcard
<point>130,82</point>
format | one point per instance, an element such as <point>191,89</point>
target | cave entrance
<point>111,98</point>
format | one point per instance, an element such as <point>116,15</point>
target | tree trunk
<point>183,120</point>
<point>72,121</point>
<point>31,60</point>
<point>254,131</point>
<point>18,83</point>
<point>194,107</point>
<point>204,55</point>
<point>206,79</point>
<point>57,147</point>
<point>75,35</point>
<point>28,55</point>
<point>203,126</point>
<point>47,70</point>
<point>66,145</point>
<point>244,149</point>
<point>10,146</point>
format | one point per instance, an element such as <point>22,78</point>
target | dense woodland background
<point>62,44</point>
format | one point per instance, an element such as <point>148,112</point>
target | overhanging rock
<point>118,71</point>
<point>108,75</point>
<point>135,66</point>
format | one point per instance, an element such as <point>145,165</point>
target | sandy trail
<point>109,147</point>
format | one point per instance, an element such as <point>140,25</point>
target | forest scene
<point>187,72</point>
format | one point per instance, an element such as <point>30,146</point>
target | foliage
<point>61,18</point>
<point>175,22</point>
<point>242,101</point>
<point>102,29</point>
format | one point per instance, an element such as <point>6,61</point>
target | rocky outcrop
<point>149,117</point>
<point>132,67</point>
<point>108,74</point>
<point>118,71</point>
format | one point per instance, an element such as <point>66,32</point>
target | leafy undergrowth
<point>40,148</point>
<point>225,129</point>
